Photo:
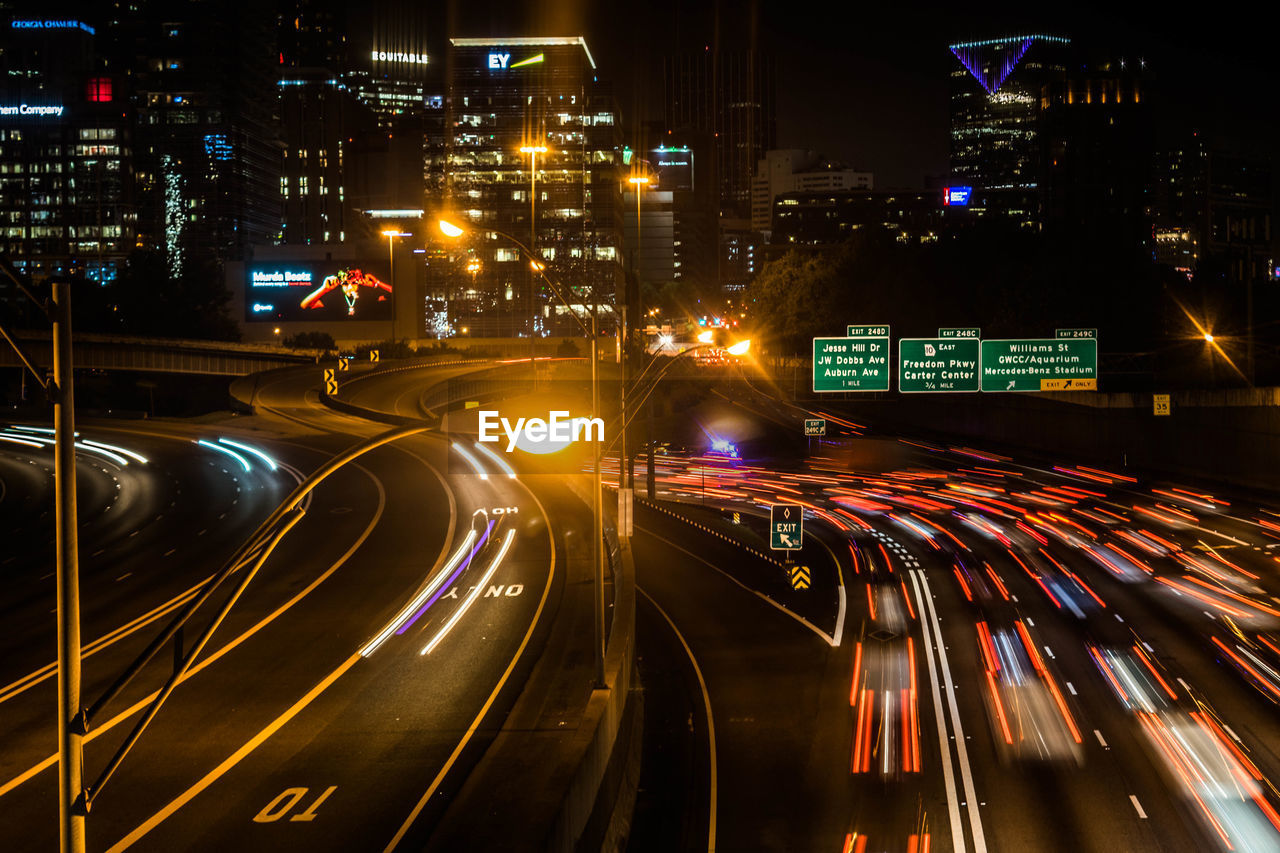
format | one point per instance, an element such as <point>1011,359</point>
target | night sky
<point>866,84</point>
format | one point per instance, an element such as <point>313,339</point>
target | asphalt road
<point>990,654</point>
<point>347,692</point>
<point>1085,748</point>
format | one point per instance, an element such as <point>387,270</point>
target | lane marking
<point>1137,806</point>
<point>1072,688</point>
<point>234,759</point>
<point>1101,739</point>
<point>948,772</point>
<point>962,750</point>
<point>475,724</point>
<point>49,670</point>
<point>711,726</point>
<point>805,622</point>
<point>99,730</point>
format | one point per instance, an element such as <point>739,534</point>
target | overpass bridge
<point>157,355</point>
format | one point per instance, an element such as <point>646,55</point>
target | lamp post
<point>452,230</point>
<point>626,470</point>
<point>533,151</point>
<point>391,235</point>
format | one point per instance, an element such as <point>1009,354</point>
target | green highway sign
<point>786,527</point>
<point>815,427</point>
<point>1040,364</point>
<point>961,332</point>
<point>867,331</point>
<point>859,363</point>
<point>938,364</point>
<point>1075,333</point>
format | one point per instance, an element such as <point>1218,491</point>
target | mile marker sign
<point>786,527</point>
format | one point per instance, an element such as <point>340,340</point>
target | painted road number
<point>284,803</point>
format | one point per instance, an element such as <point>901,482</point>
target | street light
<point>533,151</point>
<point>628,475</point>
<point>391,235</point>
<point>450,229</point>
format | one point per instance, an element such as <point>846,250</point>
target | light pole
<point>391,235</point>
<point>452,230</point>
<point>533,151</point>
<point>72,806</point>
<point>626,470</point>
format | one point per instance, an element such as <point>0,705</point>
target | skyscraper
<point>732,96</point>
<point>560,196</point>
<point>207,151</point>
<point>995,109</point>
<point>66,180</point>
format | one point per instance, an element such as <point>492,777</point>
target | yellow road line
<point>97,731</point>
<point>232,760</point>
<point>475,724</point>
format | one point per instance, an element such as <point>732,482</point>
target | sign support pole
<point>71,803</point>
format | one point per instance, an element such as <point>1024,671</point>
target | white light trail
<point>470,599</point>
<point>497,460</point>
<point>271,463</point>
<point>471,460</point>
<point>136,457</point>
<point>16,440</point>
<point>226,450</point>
<point>412,607</point>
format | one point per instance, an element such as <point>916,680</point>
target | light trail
<point>496,459</point>
<point>470,599</point>
<point>227,450</point>
<point>270,463</point>
<point>408,610</point>
<point>471,460</point>
<point>475,549</point>
<point>102,445</point>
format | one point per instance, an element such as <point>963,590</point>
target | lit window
<point>98,90</point>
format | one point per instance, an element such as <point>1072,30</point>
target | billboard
<point>956,196</point>
<point>317,291</point>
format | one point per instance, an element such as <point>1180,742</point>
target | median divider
<point>663,507</point>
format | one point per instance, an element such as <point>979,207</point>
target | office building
<point>814,219</point>
<point>207,150</point>
<point>67,201</point>
<point>996,88</point>
<point>1097,137</point>
<point>793,170</point>
<point>560,196</point>
<point>387,66</point>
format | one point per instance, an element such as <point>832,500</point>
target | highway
<point>350,688</point>
<point>981,652</point>
<point>1030,656</point>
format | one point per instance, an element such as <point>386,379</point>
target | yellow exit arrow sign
<point>1068,384</point>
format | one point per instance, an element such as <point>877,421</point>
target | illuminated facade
<point>207,151</point>
<point>67,203</point>
<point>533,93</point>
<point>388,67</point>
<point>995,110</point>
